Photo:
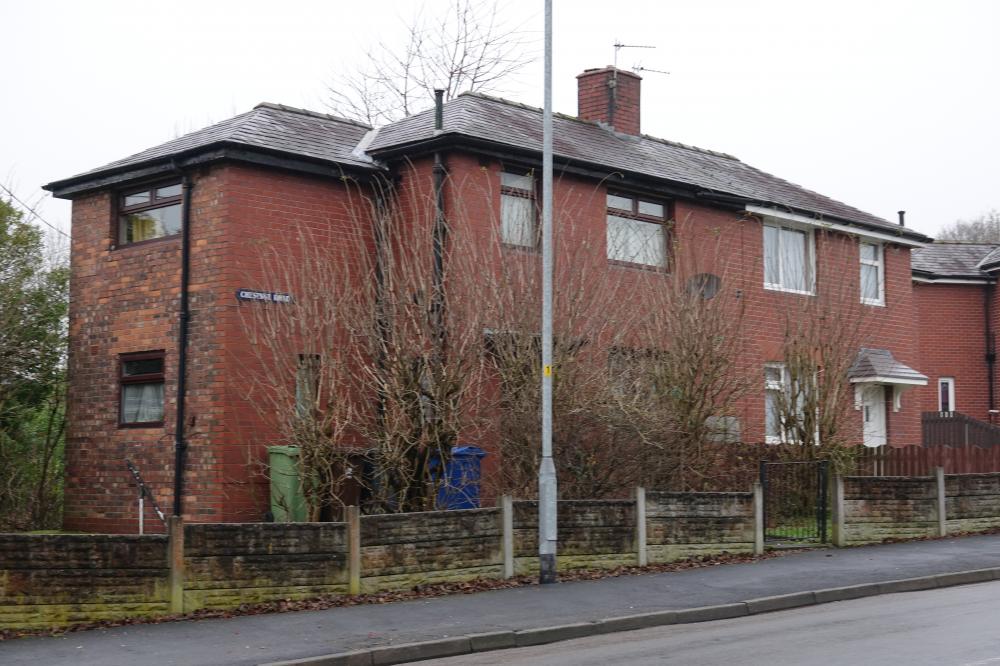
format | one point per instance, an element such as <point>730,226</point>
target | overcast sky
<point>883,105</point>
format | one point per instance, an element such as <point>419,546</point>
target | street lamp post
<point>547,470</point>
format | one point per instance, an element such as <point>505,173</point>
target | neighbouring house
<point>190,215</point>
<point>954,284</point>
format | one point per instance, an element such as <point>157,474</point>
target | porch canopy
<point>878,367</point>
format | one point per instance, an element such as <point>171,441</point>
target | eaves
<point>624,178</point>
<point>202,156</point>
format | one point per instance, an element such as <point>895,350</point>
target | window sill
<point>150,241</point>
<point>144,424</point>
<point>618,263</point>
<point>785,290</point>
<point>514,247</point>
<point>873,303</point>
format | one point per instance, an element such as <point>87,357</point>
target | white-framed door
<point>873,415</point>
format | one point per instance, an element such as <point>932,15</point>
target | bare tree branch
<point>465,49</point>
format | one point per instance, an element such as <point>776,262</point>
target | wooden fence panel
<point>920,461</point>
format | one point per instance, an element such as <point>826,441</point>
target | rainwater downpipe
<point>381,319</point>
<point>180,441</point>
<point>440,228</point>
<point>991,355</point>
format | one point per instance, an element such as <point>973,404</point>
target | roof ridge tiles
<point>950,241</point>
<point>577,119</point>
<point>310,113</point>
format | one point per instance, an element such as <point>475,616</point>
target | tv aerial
<point>618,46</point>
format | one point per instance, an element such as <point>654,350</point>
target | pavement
<point>502,618</point>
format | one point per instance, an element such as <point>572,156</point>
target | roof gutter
<point>222,151</point>
<point>929,278</point>
<point>672,188</point>
<point>854,229</point>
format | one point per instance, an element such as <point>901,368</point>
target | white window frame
<point>640,211</point>
<point>950,381</point>
<point>879,264</point>
<point>512,185</point>
<point>809,261</point>
<point>781,386</point>
<point>784,385</point>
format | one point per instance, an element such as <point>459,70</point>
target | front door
<point>873,413</point>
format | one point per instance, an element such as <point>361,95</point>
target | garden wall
<point>591,534</point>
<point>403,550</point>
<point>683,525</point>
<point>896,507</point>
<point>51,580</point>
<point>972,502</point>
<point>228,564</point>
<point>57,580</point>
<point>876,508</point>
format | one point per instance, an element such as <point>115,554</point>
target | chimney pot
<point>902,218</point>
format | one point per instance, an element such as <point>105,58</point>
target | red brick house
<point>202,200</point>
<point>955,291</point>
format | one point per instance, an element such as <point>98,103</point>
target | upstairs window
<point>872,274</point>
<point>141,382</point>
<point>154,212</point>
<point>636,231</point>
<point>788,259</point>
<point>517,210</point>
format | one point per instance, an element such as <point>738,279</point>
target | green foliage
<point>33,306</point>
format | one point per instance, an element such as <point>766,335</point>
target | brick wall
<point>126,299</point>
<point>681,525</point>
<point>953,344</point>
<point>594,96</point>
<point>723,242</point>
<point>56,580</point>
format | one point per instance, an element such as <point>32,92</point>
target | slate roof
<point>519,126</point>
<point>273,127</point>
<point>954,260</point>
<point>286,131</point>
<point>991,261</point>
<point>871,363</point>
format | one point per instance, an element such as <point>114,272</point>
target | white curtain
<point>142,403</point>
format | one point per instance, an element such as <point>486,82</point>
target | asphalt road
<point>951,627</point>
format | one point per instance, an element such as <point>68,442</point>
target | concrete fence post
<point>175,560</point>
<point>640,526</point>
<point>758,518</point>
<point>353,550</point>
<point>507,518</point>
<point>838,528</point>
<point>942,503</point>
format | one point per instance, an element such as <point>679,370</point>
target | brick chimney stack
<point>610,96</point>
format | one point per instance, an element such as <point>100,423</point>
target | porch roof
<point>878,366</point>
